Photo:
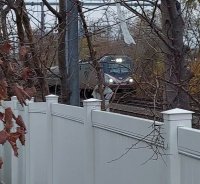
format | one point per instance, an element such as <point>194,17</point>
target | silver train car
<point>117,71</point>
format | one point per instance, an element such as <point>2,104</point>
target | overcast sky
<point>50,20</point>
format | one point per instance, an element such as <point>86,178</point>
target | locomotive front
<point>118,72</point>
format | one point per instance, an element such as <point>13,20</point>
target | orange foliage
<point>27,73</point>
<point>195,81</point>
<point>5,47</point>
<point>6,134</point>
<point>21,94</point>
<point>3,89</point>
<point>23,51</point>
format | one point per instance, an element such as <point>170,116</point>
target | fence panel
<point>114,135</point>
<point>10,162</point>
<point>5,153</point>
<point>68,144</point>
<point>20,162</point>
<point>189,151</point>
<point>38,143</point>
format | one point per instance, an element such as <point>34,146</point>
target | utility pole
<point>42,19</point>
<point>73,56</point>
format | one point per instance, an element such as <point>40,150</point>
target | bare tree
<point>62,46</point>
<point>24,32</point>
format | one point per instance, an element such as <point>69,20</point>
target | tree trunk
<point>62,48</point>
<point>62,59</point>
<point>176,73</point>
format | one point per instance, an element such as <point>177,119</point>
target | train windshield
<point>119,67</point>
<point>115,68</point>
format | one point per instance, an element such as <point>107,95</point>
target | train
<point>117,71</point>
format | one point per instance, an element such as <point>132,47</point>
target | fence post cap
<point>177,114</point>
<point>52,98</point>
<point>92,102</point>
<point>13,98</point>
<point>177,111</point>
<point>14,102</point>
<point>32,99</point>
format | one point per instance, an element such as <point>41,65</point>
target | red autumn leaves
<point>21,93</point>
<point>7,134</point>
<point>5,47</point>
<point>18,79</point>
<point>15,75</point>
<point>3,89</point>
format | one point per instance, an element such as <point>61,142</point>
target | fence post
<point>50,99</point>
<point>14,102</point>
<point>26,118</point>
<point>89,105</point>
<point>14,159</point>
<point>21,176</point>
<point>10,167</point>
<point>172,120</point>
<point>107,103</point>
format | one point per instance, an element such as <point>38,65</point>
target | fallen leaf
<point>1,162</point>
<point>5,48</point>
<point>27,73</point>
<point>3,89</point>
<point>21,94</point>
<point>12,140</point>
<point>10,68</point>
<point>20,122</point>
<point>8,115</point>
<point>22,132</point>
<point>31,91</point>
<point>2,116</point>
<point>1,62</point>
<point>3,136</point>
<point>23,51</point>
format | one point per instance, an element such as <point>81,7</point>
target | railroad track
<point>132,100</point>
<point>145,108</point>
<point>129,104</point>
<point>143,112</point>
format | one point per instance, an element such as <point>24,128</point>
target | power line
<point>92,3</point>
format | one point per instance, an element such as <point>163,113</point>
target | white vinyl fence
<point>83,145</point>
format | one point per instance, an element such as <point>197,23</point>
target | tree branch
<point>156,29</point>
<point>51,9</point>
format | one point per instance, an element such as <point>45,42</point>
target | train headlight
<point>118,60</point>
<point>111,81</point>
<point>131,80</point>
